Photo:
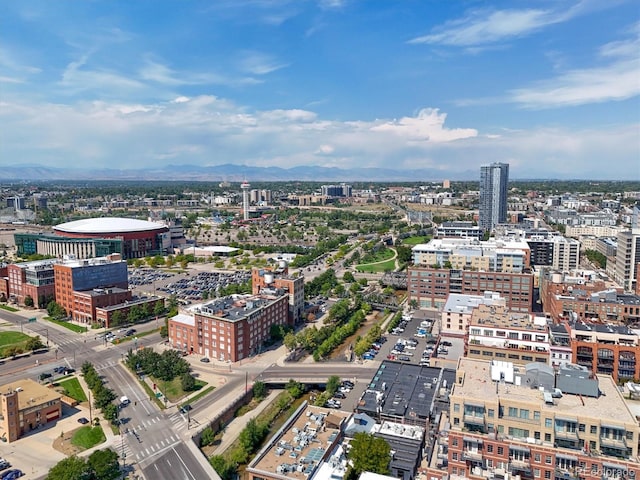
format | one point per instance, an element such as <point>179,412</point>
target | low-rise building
<point>497,333</point>
<point>26,405</point>
<point>278,277</point>
<point>455,316</point>
<point>230,328</point>
<point>528,422</point>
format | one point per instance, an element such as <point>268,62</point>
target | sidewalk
<point>232,429</point>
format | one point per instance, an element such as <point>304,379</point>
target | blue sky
<point>551,87</point>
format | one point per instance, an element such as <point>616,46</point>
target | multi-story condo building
<point>25,406</point>
<point>627,259</point>
<point>592,230</point>
<point>493,195</point>
<point>558,252</point>
<point>431,287</point>
<point>458,229</point>
<point>279,278</point>
<point>585,295</point>
<point>32,279</point>
<point>456,314</point>
<point>229,329</point>
<point>76,281</point>
<point>463,253</point>
<point>342,190</point>
<point>529,422</point>
<point>606,349</point>
<point>560,345</point>
<point>496,333</point>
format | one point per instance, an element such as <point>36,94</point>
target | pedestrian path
<point>136,449</point>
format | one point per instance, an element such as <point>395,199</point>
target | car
<point>69,371</point>
<point>83,420</point>
<point>339,395</point>
<point>411,347</point>
<point>4,464</point>
<point>59,369</point>
<point>446,344</point>
<point>347,383</point>
<point>205,360</point>
<point>11,474</point>
<point>130,332</point>
<point>185,408</point>
<point>367,356</point>
<point>124,401</point>
<point>404,358</point>
<point>44,376</point>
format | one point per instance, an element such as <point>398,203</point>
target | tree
<point>290,341</point>
<point>207,437</point>
<point>104,464</point>
<point>295,389</point>
<point>369,454</point>
<point>110,412</point>
<point>34,343</point>
<point>259,390</point>
<point>28,301</point>
<point>158,308</point>
<point>348,277</point>
<point>333,383</point>
<point>116,318</point>
<point>188,382</point>
<point>225,469</point>
<point>70,468</point>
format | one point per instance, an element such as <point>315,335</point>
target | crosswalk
<point>134,448</point>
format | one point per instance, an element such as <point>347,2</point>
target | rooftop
<point>30,393</point>
<point>460,303</point>
<point>237,307</point>
<point>306,439</point>
<point>108,225</point>
<point>500,316</point>
<point>478,386</point>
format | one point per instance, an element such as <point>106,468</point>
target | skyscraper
<point>493,195</point>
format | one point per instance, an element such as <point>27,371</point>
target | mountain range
<point>230,172</point>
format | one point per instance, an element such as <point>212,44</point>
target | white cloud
<point>210,130</point>
<point>257,63</point>
<point>486,26</point>
<point>427,126</point>
<point>617,80</point>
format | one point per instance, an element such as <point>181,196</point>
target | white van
<point>124,401</point>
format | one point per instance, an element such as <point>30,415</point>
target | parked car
<point>83,420</point>
<point>130,332</point>
<point>367,356</point>
<point>44,376</point>
<point>124,401</point>
<point>347,383</point>
<point>446,344</point>
<point>4,464</point>
<point>339,395</point>
<point>205,360</point>
<point>404,358</point>
<point>59,369</point>
<point>11,474</point>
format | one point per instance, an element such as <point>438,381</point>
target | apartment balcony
<point>605,355</point>
<point>616,443</point>
<point>567,435</point>
<point>472,455</point>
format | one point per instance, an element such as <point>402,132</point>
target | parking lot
<point>186,287</point>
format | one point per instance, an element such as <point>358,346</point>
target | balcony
<point>474,419</point>
<point>567,435</point>
<point>473,455</point>
<point>617,443</point>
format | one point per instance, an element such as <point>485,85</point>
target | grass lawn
<point>379,256</point>
<point>73,389</point>
<point>87,437</point>
<point>12,339</point>
<point>377,267</point>
<point>415,240</point>
<point>173,389</point>
<point>8,308</point>
<point>70,326</point>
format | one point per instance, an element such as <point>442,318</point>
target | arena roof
<point>108,225</point>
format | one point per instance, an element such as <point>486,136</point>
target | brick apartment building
<point>496,333</point>
<point>431,287</point>
<point>279,278</point>
<point>31,279</point>
<point>24,406</point>
<point>508,421</point>
<point>606,349</point>
<point>230,328</point>
<point>587,297</point>
<point>83,285</point>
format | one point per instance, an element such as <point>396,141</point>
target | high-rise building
<point>493,195</point>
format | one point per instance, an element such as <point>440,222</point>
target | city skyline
<point>549,87</point>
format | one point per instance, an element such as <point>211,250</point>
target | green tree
<point>290,341</point>
<point>259,390</point>
<point>28,301</point>
<point>158,309</point>
<point>295,389</point>
<point>369,454</point>
<point>188,382</point>
<point>116,318</point>
<point>104,464</point>
<point>34,343</point>
<point>207,437</point>
<point>70,468</point>
<point>110,412</point>
<point>333,383</point>
<point>348,277</point>
<point>225,469</point>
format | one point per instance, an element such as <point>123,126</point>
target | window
<point>490,448</point>
<point>513,412</point>
<point>491,412</point>
<point>454,455</point>
<point>456,407</point>
<point>456,421</point>
<point>536,415</point>
<point>581,427</point>
<point>547,437</point>
<point>593,429</point>
<point>536,458</point>
<point>536,435</point>
<point>547,459</point>
<point>524,414</point>
<point>548,423</point>
<point>500,450</point>
<point>547,474</point>
<point>455,442</point>
<point>536,472</point>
